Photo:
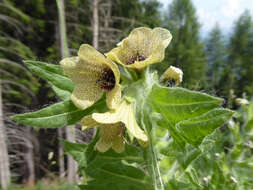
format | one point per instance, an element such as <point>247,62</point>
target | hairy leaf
<point>57,115</point>
<point>194,130</point>
<point>184,156</point>
<point>110,170</point>
<point>53,74</point>
<point>178,104</point>
<point>178,108</point>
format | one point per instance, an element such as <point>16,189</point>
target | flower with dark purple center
<point>142,47</point>
<point>93,75</point>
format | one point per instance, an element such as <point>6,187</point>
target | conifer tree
<point>186,50</point>
<point>240,60</point>
<point>216,54</point>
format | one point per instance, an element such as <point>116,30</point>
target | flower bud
<point>173,76</point>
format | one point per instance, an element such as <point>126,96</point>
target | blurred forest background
<point>30,29</point>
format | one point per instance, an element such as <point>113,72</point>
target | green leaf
<point>178,104</point>
<point>132,154</point>
<point>196,129</point>
<point>53,74</point>
<point>175,184</point>
<point>120,175</point>
<point>192,176</point>
<point>184,156</point>
<point>57,115</point>
<point>111,170</point>
<point>77,151</point>
<point>62,94</point>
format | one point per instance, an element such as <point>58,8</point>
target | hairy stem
<point>150,152</point>
<point>151,156</point>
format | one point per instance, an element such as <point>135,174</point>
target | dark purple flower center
<point>136,58</point>
<point>107,79</point>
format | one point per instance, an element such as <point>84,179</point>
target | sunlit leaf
<point>178,108</point>
<point>178,104</point>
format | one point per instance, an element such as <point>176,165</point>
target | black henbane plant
<point>135,102</point>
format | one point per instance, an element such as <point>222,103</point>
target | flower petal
<point>88,122</point>
<point>130,46</point>
<point>108,134</point>
<point>125,114</point>
<point>118,144</point>
<point>85,95</point>
<point>138,41</point>
<point>73,67</point>
<point>160,39</point>
<point>113,97</point>
<point>172,73</point>
<point>114,69</point>
<point>142,47</point>
<point>91,56</point>
<point>93,74</point>
<point>103,146</point>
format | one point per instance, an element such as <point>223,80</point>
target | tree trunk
<point>95,24</point>
<point>72,165</point>
<point>29,157</point>
<point>61,154</point>
<point>70,130</point>
<point>5,174</point>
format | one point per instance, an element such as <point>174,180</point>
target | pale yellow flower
<point>113,124</point>
<point>93,75</point>
<point>142,47</point>
<point>111,135</point>
<point>172,74</point>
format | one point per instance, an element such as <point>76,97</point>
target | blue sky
<point>225,12</point>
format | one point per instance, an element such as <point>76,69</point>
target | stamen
<point>107,79</point>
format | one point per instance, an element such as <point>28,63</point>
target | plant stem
<point>150,153</point>
<point>151,157</point>
<point>62,27</point>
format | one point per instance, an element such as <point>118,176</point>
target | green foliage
<point>62,85</point>
<point>60,114</point>
<point>57,115</point>
<point>240,47</point>
<point>110,170</point>
<point>76,151</point>
<point>137,13</point>
<point>179,107</point>
<point>186,50</point>
<point>216,57</point>
<point>59,185</point>
<point>18,83</point>
<point>224,159</point>
<point>193,153</point>
<point>196,129</point>
<point>187,115</point>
